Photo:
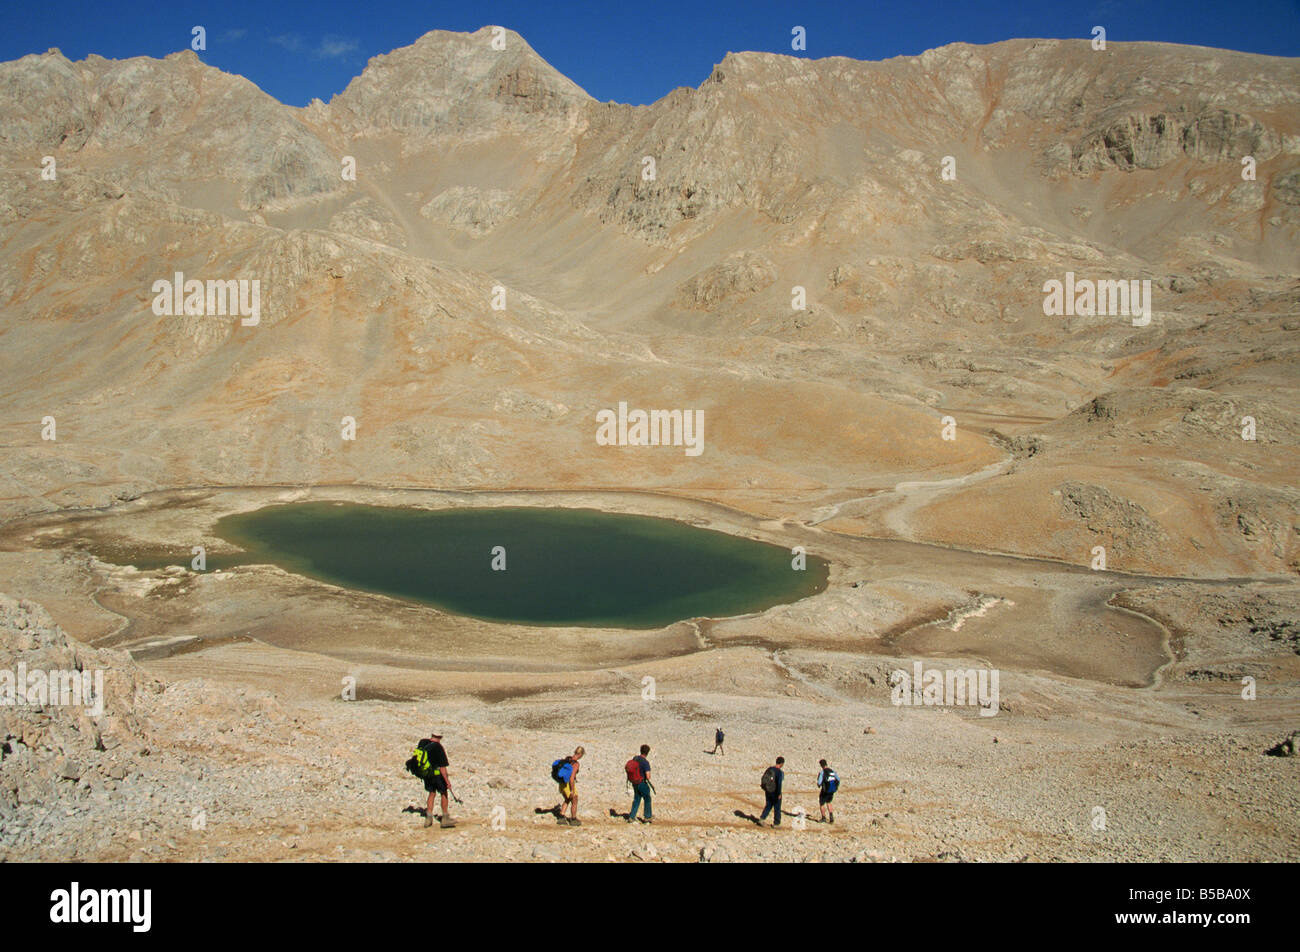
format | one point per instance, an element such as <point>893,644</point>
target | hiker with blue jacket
<point>773,779</point>
<point>827,783</point>
<point>638,775</point>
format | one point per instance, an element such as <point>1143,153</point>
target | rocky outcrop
<point>1151,141</point>
<point>366,218</point>
<point>1286,187</point>
<point>1101,511</point>
<point>67,711</point>
<point>476,210</point>
<point>736,278</point>
<point>1223,136</point>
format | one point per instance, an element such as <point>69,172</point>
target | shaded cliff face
<point>658,255</point>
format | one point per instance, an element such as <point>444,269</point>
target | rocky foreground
<point>207,770</point>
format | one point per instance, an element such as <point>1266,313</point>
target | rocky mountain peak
<point>448,81</point>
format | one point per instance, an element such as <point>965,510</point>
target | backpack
<point>768,782</point>
<point>831,780</point>
<point>634,774</point>
<point>561,770</point>
<point>418,763</point>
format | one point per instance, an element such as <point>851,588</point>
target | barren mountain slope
<point>478,167</point>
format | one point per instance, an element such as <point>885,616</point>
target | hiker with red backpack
<point>638,775</point>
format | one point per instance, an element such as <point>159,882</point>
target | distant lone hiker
<point>436,779</point>
<point>718,738</point>
<point>638,775</point>
<point>773,778</point>
<point>827,783</point>
<point>565,773</point>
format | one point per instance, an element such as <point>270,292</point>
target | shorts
<point>435,783</point>
<point>566,790</point>
<point>824,798</point>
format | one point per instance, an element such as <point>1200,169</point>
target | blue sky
<point>626,50</point>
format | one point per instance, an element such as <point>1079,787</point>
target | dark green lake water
<point>563,566</point>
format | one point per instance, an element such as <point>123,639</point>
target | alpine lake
<point>528,565</point>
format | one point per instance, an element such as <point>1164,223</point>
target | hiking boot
<point>647,819</point>
<point>428,820</point>
<point>562,820</point>
<point>630,819</point>
<point>574,821</point>
<point>832,817</point>
<point>447,823</point>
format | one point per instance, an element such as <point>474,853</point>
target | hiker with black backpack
<point>827,783</point>
<point>429,763</point>
<point>771,782</point>
<point>638,775</point>
<point>565,773</point>
<point>718,738</point>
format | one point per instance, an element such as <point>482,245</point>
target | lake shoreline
<point>873,586</point>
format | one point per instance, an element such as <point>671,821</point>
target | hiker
<point>773,778</point>
<point>565,772</point>
<point>436,780</point>
<point>827,783</point>
<point>718,738</point>
<point>638,775</point>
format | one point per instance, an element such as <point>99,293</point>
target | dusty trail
<point>918,493</point>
